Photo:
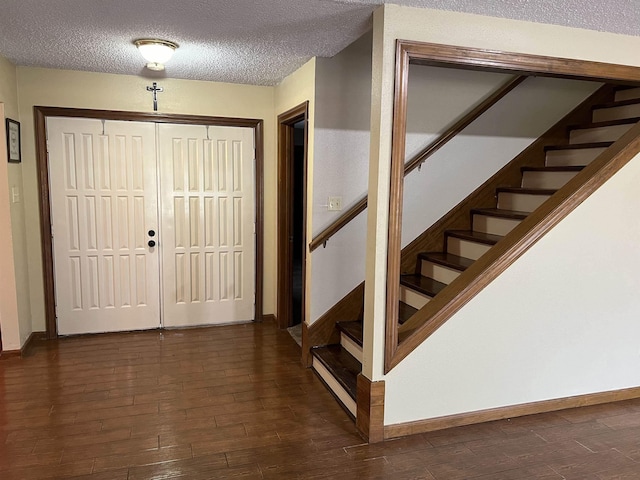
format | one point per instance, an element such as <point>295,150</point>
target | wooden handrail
<point>420,157</point>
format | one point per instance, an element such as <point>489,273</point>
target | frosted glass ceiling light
<point>156,52</point>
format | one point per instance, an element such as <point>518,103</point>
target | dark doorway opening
<point>292,248</point>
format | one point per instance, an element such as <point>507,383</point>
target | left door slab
<point>103,184</point>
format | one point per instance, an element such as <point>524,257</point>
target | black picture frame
<point>14,152</point>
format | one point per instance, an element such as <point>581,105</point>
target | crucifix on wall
<point>155,89</point>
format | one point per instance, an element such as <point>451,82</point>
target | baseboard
<point>26,348</point>
<point>545,406</point>
<point>269,317</point>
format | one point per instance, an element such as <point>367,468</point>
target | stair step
<point>425,285</point>
<point>522,199</point>
<point>443,267</point>
<point>627,93</point>
<point>573,155</point>
<point>405,312</point>
<point>469,244</point>
<point>447,260</point>
<point>496,221</point>
<point>608,131</point>
<point>616,110</point>
<point>353,330</point>
<point>339,370</point>
<point>551,178</point>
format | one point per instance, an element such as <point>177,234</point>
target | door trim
<point>42,164</point>
<point>286,121</point>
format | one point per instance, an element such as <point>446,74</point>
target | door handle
<point>152,233</point>
<point>151,243</point>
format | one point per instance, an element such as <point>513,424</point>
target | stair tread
<point>499,212</point>
<point>578,146</point>
<point>353,330</point>
<point>342,365</point>
<point>474,236</point>
<point>607,123</point>
<point>568,168</point>
<point>425,285</point>
<point>527,191</point>
<point>618,103</point>
<point>448,260</point>
<point>405,312</point>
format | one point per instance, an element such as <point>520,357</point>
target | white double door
<point>153,224</point>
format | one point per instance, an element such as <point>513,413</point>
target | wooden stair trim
<point>473,280</point>
<point>472,236</point>
<point>420,157</point>
<point>500,213</point>
<point>526,191</point>
<point>567,168</point>
<point>606,123</point>
<point>448,260</point>
<point>618,103</point>
<point>425,285</point>
<point>578,146</point>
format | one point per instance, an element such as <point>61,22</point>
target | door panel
<point>208,239</point>
<point>103,202</point>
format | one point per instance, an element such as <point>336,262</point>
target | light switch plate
<point>334,203</point>
<point>15,194</point>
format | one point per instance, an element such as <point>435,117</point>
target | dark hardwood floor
<point>234,402</point>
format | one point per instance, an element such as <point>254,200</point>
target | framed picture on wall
<point>13,141</point>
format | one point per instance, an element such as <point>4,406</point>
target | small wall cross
<point>155,89</point>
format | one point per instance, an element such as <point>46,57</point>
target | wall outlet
<point>334,204</point>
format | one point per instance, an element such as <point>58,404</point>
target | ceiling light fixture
<point>156,52</point>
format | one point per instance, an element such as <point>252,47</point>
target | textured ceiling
<point>241,41</point>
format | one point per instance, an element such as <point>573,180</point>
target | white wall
<point>340,164</point>
<point>561,321</point>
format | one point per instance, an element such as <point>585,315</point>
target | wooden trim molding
<point>285,211</point>
<point>501,413</point>
<point>437,311</point>
<point>40,116</point>
<point>269,317</point>
<point>26,348</point>
<point>370,409</point>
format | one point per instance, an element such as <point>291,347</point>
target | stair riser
<point>413,298</point>
<point>598,134</point>
<point>438,272</point>
<point>627,94</point>
<point>350,346</point>
<point>466,248</point>
<point>616,113</point>
<point>334,386</point>
<point>546,180</point>
<point>572,158</point>
<point>493,225</point>
<point>521,202</point>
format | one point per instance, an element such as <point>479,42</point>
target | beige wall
<point>60,88</point>
<point>15,316</point>
<point>297,88</point>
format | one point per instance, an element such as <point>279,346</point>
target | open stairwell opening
<point>462,251</point>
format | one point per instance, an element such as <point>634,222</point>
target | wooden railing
<point>418,159</point>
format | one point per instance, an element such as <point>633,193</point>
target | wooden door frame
<point>42,162</point>
<point>286,121</point>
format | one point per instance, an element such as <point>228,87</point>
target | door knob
<point>152,233</point>
<point>151,243</point>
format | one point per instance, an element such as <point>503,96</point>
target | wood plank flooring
<point>234,402</point>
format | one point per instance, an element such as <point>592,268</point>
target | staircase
<point>338,365</point>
